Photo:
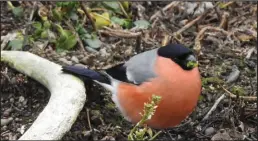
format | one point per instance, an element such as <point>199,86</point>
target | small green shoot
<point>192,64</point>
<point>17,11</point>
<point>149,110</point>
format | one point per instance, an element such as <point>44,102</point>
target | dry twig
<point>214,107</point>
<point>188,25</point>
<point>120,33</point>
<point>170,5</point>
<point>84,8</point>
<point>224,21</point>
<point>76,34</point>
<point>166,39</point>
<point>29,24</point>
<point>246,98</point>
<point>197,46</point>
<point>88,118</point>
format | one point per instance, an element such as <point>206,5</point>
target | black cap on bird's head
<point>180,54</point>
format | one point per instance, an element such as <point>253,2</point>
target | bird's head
<point>180,54</point>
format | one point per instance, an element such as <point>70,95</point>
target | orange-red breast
<point>166,71</point>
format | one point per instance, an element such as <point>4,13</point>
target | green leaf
<point>59,50</point>
<point>101,20</point>
<point>85,36</point>
<point>17,11</point>
<point>74,16</point>
<point>201,98</point>
<point>117,20</point>
<point>123,22</point>
<point>46,25</point>
<point>113,5</point>
<point>125,5</point>
<point>81,30</point>
<point>66,43</point>
<point>93,43</point>
<point>149,131</point>
<point>16,44</point>
<point>37,25</point>
<point>57,14</point>
<point>70,42</point>
<point>44,34</point>
<point>142,24</point>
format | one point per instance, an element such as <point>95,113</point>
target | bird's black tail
<point>86,73</point>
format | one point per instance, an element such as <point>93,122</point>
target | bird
<point>170,71</point>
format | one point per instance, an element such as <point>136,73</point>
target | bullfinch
<point>170,72</point>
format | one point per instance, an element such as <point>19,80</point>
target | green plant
<point>67,39</point>
<point>17,11</point>
<point>149,110</point>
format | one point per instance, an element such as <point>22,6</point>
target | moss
<point>237,90</point>
<point>201,98</point>
<point>208,80</point>
<point>110,105</point>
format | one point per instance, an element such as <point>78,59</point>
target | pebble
<point>179,137</point>
<point>19,105</point>
<point>7,112</point>
<point>13,80</point>
<point>221,135</point>
<point>6,121</point>
<point>22,130</point>
<point>233,76</point>
<point>63,60</point>
<point>11,100</point>
<point>4,128</point>
<point>209,131</point>
<point>25,102</point>
<point>63,54</point>
<point>80,56</point>
<point>21,99</point>
<point>80,65</point>
<point>110,138</point>
<point>75,59</point>
<point>17,119</point>
<point>241,127</point>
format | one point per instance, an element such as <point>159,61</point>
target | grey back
<point>140,68</point>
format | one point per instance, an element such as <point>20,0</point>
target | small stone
<point>19,105</point>
<point>63,54</point>
<point>22,130</point>
<point>221,135</point>
<point>7,112</point>
<point>209,131</point>
<point>17,119</point>
<point>13,80</point>
<point>80,56</point>
<point>199,128</point>
<point>25,102</point>
<point>233,76</point>
<point>110,138</point>
<point>21,99</point>
<point>4,128</point>
<point>179,137</point>
<point>6,121</point>
<point>11,100</point>
<point>65,61</point>
<point>80,65</point>
<point>86,133</point>
<point>75,59</point>
<point>241,127</point>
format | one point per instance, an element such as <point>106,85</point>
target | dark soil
<point>22,98</point>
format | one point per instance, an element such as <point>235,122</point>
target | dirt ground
<point>223,61</point>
